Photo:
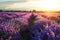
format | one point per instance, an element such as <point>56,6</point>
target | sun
<point>47,5</point>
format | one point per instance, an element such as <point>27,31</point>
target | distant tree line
<point>27,11</point>
<point>14,11</point>
<point>19,11</point>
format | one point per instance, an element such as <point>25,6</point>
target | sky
<point>43,5</point>
<point>10,0</point>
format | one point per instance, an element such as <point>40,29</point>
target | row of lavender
<point>12,29</point>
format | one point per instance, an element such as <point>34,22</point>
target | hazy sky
<point>10,0</point>
<point>30,5</point>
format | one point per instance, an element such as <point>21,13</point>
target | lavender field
<point>29,26</point>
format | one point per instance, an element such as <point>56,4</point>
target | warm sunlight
<point>39,5</point>
<point>49,4</point>
<point>45,4</point>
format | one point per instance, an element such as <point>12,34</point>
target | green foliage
<point>1,33</point>
<point>31,20</point>
<point>34,10</point>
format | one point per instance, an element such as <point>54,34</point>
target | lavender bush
<point>12,29</point>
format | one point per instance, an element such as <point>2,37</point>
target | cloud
<point>29,5</point>
<point>22,6</point>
